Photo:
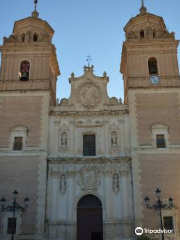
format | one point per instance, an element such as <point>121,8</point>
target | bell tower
<point>149,54</point>
<point>29,59</point>
<point>149,65</point>
<point>28,75</point>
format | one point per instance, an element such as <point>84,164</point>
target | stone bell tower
<point>29,71</point>
<point>150,71</point>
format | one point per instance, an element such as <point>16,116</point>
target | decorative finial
<point>143,9</point>
<point>88,59</point>
<point>35,14</point>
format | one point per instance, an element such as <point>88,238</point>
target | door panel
<point>89,223</point>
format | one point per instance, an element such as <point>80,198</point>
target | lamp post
<point>159,206</point>
<point>15,207</point>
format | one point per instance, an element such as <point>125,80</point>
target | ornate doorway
<point>89,218</point>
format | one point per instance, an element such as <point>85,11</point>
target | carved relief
<point>63,137</point>
<point>89,95</point>
<point>114,139</point>
<point>64,140</point>
<point>89,178</point>
<point>63,183</point>
<point>116,185</point>
<point>124,169</point>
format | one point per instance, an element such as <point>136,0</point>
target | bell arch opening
<point>24,70</point>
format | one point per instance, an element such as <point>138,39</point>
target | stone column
<point>71,137</point>
<point>121,133</point>
<point>71,185</point>
<point>109,233</point>
<point>106,137</point>
<point>54,195</point>
<point>124,188</point>
<point>56,136</point>
<point>126,222</point>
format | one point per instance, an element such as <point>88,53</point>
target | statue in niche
<point>63,185</point>
<point>116,186</point>
<point>64,140</point>
<point>114,139</point>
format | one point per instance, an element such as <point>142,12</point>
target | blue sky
<point>85,28</point>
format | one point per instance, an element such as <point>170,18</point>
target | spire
<point>143,9</point>
<point>35,14</point>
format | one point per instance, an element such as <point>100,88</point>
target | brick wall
<point>20,111</point>
<point>157,107</point>
<point>21,173</point>
<point>159,171</point>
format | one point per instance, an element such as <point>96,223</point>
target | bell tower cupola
<point>149,53</point>
<point>29,60</point>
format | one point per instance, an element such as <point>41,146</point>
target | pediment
<point>89,93</point>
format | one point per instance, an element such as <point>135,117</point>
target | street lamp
<point>158,206</point>
<point>15,207</point>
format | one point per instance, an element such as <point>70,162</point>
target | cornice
<point>82,160</point>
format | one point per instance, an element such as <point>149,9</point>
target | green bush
<point>143,237</point>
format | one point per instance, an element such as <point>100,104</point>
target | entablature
<point>60,160</point>
<point>88,114</point>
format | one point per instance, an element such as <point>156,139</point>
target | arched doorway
<point>89,218</point>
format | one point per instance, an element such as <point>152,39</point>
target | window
<point>11,229</point>
<point>168,223</point>
<point>35,37</point>
<point>160,135</point>
<point>160,141</point>
<point>142,34</point>
<point>24,71</point>
<point>154,33</point>
<point>152,65</point>
<point>19,134</point>
<point>23,37</point>
<point>89,145</point>
<point>18,143</point>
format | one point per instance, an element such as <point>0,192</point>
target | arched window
<point>154,33</point>
<point>23,37</point>
<point>153,66</point>
<point>24,71</point>
<point>35,37</point>
<point>89,145</point>
<point>142,34</point>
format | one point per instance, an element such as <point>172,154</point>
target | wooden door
<point>89,222</point>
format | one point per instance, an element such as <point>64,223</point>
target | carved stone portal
<point>89,95</point>
<point>89,178</point>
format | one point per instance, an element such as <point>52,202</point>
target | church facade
<point>87,162</point>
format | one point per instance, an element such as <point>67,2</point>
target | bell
<point>24,76</point>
